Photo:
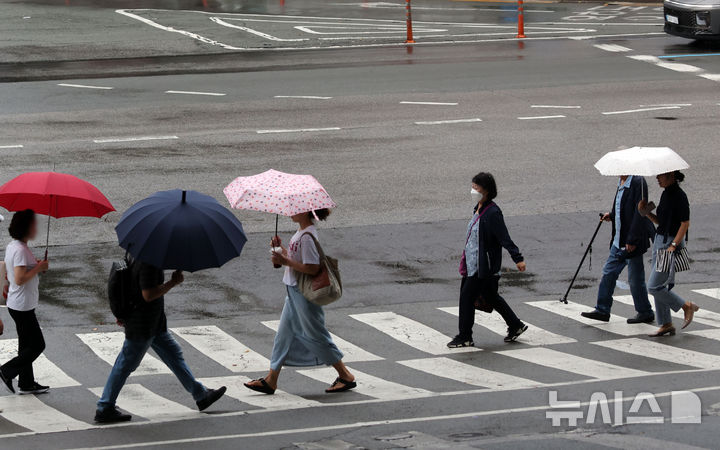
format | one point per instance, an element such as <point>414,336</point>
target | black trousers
<point>471,289</point>
<point>30,345</point>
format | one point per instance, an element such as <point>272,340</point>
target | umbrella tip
<point>184,195</point>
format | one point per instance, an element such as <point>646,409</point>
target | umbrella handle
<point>277,216</point>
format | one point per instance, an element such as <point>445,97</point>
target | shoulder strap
<point>477,219</point>
<point>317,244</point>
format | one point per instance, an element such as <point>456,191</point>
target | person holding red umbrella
<point>23,271</point>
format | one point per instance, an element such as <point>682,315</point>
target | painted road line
<point>468,374</point>
<point>677,67</point>
<point>612,48</point>
<point>85,86</point>
<point>369,385</point>
<point>714,293</point>
<point>134,139</point>
<point>557,106</point>
<point>223,348</point>
<point>617,325</point>
<point>31,413</point>
<point>533,336</point>
<point>629,111</point>
<point>352,353</point>
<point>663,352</point>
<point>571,363</point>
<point>299,130</point>
<point>212,94</point>
<point>410,332</point>
<point>107,347</point>
<point>279,401</point>
<point>11,146</point>
<point>689,55</point>
<point>430,103</point>
<point>141,401</point>
<point>308,97</point>
<point>703,316</point>
<point>558,116</point>
<point>45,371</point>
<point>710,76</point>
<point>666,104</point>
<point>442,122</point>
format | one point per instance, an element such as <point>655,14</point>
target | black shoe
<point>596,315</point>
<point>7,382</point>
<point>459,342</point>
<point>33,389</point>
<point>111,415</point>
<point>212,396</point>
<point>514,334</point>
<point>642,318</point>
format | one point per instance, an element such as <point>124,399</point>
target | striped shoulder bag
<point>679,258</point>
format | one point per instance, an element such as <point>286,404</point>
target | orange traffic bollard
<point>408,20</point>
<point>521,20</point>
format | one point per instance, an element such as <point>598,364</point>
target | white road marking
<point>299,130</point>
<point>666,104</point>
<point>223,348</point>
<point>714,292</point>
<point>442,122</point>
<point>617,325</point>
<point>369,385</point>
<point>30,412</point>
<point>326,444</point>
<point>309,97</point>
<point>11,146</point>
<point>85,86</point>
<point>533,336</point>
<point>710,76</point>
<point>430,103</point>
<point>141,401</point>
<point>574,364</point>
<point>678,67</point>
<point>212,94</point>
<point>469,374</point>
<point>352,353</point>
<point>663,352</point>
<point>107,346</point>
<point>556,106</point>
<point>703,316</point>
<point>134,139</point>
<point>612,48</point>
<point>45,371</point>
<point>629,111</point>
<point>280,400</point>
<point>410,332</point>
<point>557,116</point>
<point>219,21</point>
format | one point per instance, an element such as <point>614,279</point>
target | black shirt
<point>148,318</point>
<point>673,209</point>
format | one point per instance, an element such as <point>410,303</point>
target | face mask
<point>476,196</point>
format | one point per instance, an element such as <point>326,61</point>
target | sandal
<point>264,387</point>
<point>347,385</point>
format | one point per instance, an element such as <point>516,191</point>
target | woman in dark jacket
<point>481,261</point>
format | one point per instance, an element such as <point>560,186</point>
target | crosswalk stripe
<point>571,363</point>
<point>278,401</point>
<point>31,413</point>
<point>44,369</point>
<point>107,347</point>
<point>410,332</point>
<point>663,352</point>
<point>369,385</point>
<point>141,401</point>
<point>352,352</point>
<point>703,316</point>
<point>468,374</point>
<point>223,348</point>
<point>617,324</point>
<point>533,336</point>
<point>714,292</point>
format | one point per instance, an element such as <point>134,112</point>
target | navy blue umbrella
<point>181,230</point>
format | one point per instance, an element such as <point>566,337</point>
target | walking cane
<point>587,251</point>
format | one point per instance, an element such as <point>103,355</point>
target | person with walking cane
<point>481,262</point>
<point>631,235</point>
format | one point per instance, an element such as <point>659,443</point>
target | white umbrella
<point>644,161</point>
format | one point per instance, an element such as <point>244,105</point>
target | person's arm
<point>23,274</point>
<point>650,215</point>
<point>682,231</point>
<point>498,227</point>
<point>637,232</point>
<point>156,292</point>
<point>282,259</point>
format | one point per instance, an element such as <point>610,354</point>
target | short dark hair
<point>679,176</point>
<point>486,181</point>
<point>21,223</point>
<point>321,214</point>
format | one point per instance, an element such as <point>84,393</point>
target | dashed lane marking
<point>11,146</point>
<point>85,86</point>
<point>557,106</point>
<point>306,97</point>
<point>677,67</point>
<point>443,122</point>
<point>299,130</point>
<point>212,94</point>
<point>557,116</point>
<point>429,103</point>
<point>134,139</point>
<point>630,111</point>
<point>612,48</point>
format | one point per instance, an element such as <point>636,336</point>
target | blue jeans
<point>661,283</point>
<point>132,354</point>
<point>614,266</point>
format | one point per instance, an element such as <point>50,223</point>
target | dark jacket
<point>634,229</point>
<point>493,236</point>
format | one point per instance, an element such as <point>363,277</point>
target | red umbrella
<point>54,194</point>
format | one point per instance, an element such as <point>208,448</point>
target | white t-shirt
<point>303,250</point>
<point>25,297</point>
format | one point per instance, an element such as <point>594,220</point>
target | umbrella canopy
<point>644,161</point>
<point>181,230</point>
<point>278,193</point>
<point>54,194</point>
